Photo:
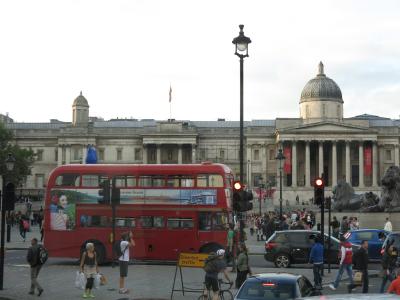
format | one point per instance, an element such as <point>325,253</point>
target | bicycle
<point>223,294</point>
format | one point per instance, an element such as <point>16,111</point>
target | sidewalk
<point>17,243</point>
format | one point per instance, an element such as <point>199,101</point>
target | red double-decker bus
<point>169,209</point>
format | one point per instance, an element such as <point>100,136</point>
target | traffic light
<point>241,198</point>
<point>104,192</point>
<point>319,186</point>
<point>9,196</point>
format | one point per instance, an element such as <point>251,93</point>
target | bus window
<point>187,182</point>
<point>220,221</point>
<point>125,222</point>
<point>180,223</point>
<point>146,222</point>
<point>157,181</point>
<point>130,181</point>
<point>204,221</point>
<point>92,180</point>
<point>228,180</point>
<point>210,180</point>
<point>145,181</point>
<point>158,222</point>
<point>68,180</point>
<point>180,181</point>
<point>95,221</point>
<point>120,181</point>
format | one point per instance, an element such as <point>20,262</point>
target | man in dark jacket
<point>389,260</point>
<point>33,260</point>
<point>360,261</point>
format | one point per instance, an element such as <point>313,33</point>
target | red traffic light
<point>319,182</point>
<point>237,186</point>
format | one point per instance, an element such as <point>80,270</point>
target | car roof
<point>353,297</point>
<point>298,231</point>
<point>277,276</point>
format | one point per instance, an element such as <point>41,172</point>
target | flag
<point>170,93</point>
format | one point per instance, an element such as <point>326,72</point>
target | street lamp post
<point>10,161</point>
<point>241,50</point>
<point>280,157</point>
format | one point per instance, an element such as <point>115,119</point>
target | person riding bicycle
<point>214,265</point>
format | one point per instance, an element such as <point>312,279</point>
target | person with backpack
<point>346,260</point>
<point>243,267</point>
<point>123,258</point>
<point>214,265</point>
<point>360,261</point>
<point>389,261</point>
<point>34,259</point>
<point>89,267</point>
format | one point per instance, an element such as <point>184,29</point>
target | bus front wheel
<point>99,248</point>
<point>207,248</point>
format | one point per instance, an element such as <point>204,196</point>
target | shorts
<point>211,283</point>
<point>123,268</point>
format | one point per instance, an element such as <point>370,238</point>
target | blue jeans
<point>349,271</point>
<point>317,270</point>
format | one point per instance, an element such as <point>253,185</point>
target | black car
<point>294,246</point>
<point>274,286</point>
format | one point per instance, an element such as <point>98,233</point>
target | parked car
<point>354,297</point>
<point>375,238</point>
<point>294,246</point>
<point>274,286</point>
<point>392,238</point>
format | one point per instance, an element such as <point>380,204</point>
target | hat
<point>221,252</point>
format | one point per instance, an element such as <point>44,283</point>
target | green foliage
<point>24,158</point>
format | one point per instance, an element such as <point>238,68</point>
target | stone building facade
<point>321,141</point>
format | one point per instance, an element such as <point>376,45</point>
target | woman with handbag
<point>90,268</point>
<point>243,267</point>
<point>389,260</point>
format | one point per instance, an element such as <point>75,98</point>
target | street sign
<point>192,260</point>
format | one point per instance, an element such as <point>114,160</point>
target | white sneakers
<point>332,287</point>
<point>123,291</point>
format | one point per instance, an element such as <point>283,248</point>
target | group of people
<point>88,265</point>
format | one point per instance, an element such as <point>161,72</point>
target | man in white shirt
<point>388,225</point>
<point>125,244</point>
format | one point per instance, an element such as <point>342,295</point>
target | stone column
<point>59,156</point>
<point>144,155</point>
<point>374,164</point>
<point>348,162</point>
<point>84,153</point>
<point>361,164</point>
<point>68,154</point>
<point>334,163</point>
<point>294,164</point>
<point>158,154</point>
<point>180,154</point>
<point>396,155</point>
<point>193,153</point>
<point>320,158</point>
<point>307,164</point>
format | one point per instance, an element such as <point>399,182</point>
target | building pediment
<point>330,127</point>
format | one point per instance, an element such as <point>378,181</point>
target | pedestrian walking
<point>335,227</point>
<point>346,258</point>
<point>389,260</point>
<point>243,266</point>
<point>360,260</point>
<point>89,267</point>
<point>23,227</point>
<point>388,225</point>
<point>394,287</point>
<point>34,261</point>
<point>229,242</point>
<point>126,242</point>
<point>317,259</point>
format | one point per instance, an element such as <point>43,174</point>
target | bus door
<point>152,240</point>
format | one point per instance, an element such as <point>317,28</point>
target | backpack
<point>117,248</point>
<point>43,255</point>
<point>210,264</point>
<point>25,224</point>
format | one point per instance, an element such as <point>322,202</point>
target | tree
<point>24,158</point>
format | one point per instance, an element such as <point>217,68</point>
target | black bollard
<point>8,233</point>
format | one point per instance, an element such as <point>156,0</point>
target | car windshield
<point>259,290</point>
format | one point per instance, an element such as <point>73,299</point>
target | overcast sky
<point>123,55</point>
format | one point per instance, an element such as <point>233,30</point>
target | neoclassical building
<point>320,141</point>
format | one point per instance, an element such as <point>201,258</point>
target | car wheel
<point>282,260</point>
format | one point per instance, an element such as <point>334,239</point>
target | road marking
<point>22,265</point>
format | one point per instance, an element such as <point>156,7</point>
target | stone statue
<point>345,198</point>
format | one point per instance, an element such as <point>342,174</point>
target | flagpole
<point>170,100</point>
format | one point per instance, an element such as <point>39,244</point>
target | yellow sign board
<point>192,260</point>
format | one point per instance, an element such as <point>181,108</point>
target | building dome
<point>321,88</point>
<point>80,101</point>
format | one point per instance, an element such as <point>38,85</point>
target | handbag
<point>357,277</point>
<point>80,280</point>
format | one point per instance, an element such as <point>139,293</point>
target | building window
<point>271,154</point>
<point>138,154</point>
<point>119,154</point>
<point>39,180</point>
<point>221,154</point>
<point>101,154</point>
<point>39,155</point>
<point>152,154</point>
<point>169,154</point>
<point>389,155</point>
<point>202,154</point>
<point>77,153</point>
<point>56,154</point>
<point>256,154</point>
